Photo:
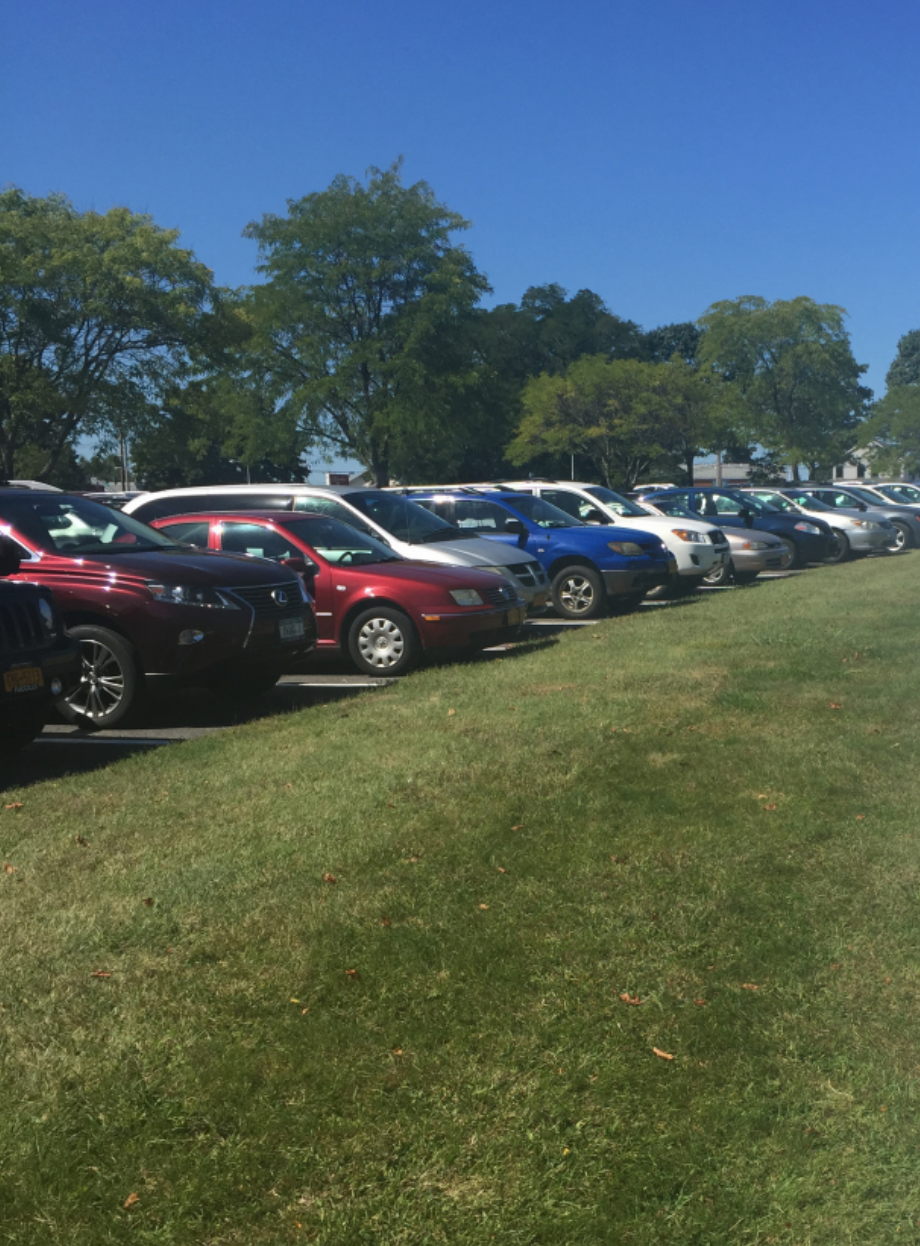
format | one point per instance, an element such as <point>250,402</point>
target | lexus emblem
<point>279,597</point>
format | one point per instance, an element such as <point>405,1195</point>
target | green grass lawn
<point>396,970</point>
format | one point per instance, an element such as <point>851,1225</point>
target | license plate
<point>25,679</point>
<point>291,629</point>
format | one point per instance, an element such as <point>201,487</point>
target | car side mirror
<point>10,557</point>
<point>303,566</point>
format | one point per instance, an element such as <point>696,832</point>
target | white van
<point>407,528</point>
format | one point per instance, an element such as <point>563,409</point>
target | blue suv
<point>590,566</point>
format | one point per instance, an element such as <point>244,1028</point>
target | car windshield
<point>752,503</point>
<point>73,526</point>
<point>541,513</point>
<point>406,520</point>
<point>901,493</point>
<point>338,543</point>
<point>776,500</point>
<point>615,502</point>
<point>864,495</point>
<point>671,507</point>
<point>809,502</point>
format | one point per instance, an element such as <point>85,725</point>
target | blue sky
<point>663,154</point>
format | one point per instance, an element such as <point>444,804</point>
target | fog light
<point>56,687</point>
<point>191,636</point>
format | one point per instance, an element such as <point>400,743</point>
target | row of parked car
<point>232,586</point>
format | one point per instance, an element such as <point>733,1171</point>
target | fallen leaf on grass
<point>502,870</point>
<point>702,1003</point>
<point>484,906</point>
<point>330,878</point>
<point>519,827</point>
<point>630,999</point>
<point>662,1055</point>
<point>769,808</point>
<point>351,973</point>
<point>860,817</point>
<point>835,705</point>
<point>749,986</point>
<point>148,900</point>
<point>385,921</point>
<point>397,1051</point>
<point>450,713</point>
<point>16,804</point>
<point>8,869</point>
<point>131,1200</point>
<point>82,841</point>
<point>100,973</point>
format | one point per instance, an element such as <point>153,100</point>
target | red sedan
<point>383,610</point>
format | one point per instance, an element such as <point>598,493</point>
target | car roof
<point>275,516</point>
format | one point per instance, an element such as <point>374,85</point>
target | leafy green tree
<point>892,432</point>
<point>662,344</point>
<point>905,368</point>
<point>364,287</point>
<point>795,373</point>
<point>610,412</point>
<point>98,313</point>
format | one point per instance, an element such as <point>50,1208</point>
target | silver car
<point>855,532</point>
<point>750,550</point>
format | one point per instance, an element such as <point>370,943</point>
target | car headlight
<point>695,538</point>
<point>46,611</point>
<point>757,545</point>
<point>193,595</point>
<point>808,527</point>
<point>629,549</point>
<point>466,597</point>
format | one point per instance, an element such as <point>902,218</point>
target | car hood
<point>180,566</point>
<point>737,536</point>
<point>474,552</point>
<point>426,573</point>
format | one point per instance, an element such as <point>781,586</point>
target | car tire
<point>111,685</point>
<point>578,593</point>
<point>795,558</point>
<point>720,576</point>
<point>841,551</point>
<point>904,539</point>
<point>383,641</point>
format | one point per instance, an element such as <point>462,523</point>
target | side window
<point>332,510</point>
<point>682,501</point>
<point>196,533</point>
<point>569,502</point>
<point>724,504</point>
<point>244,501</point>
<point>256,540</point>
<point>479,515</point>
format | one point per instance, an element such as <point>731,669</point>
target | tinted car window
<point>479,515</point>
<point>542,514</point>
<point>331,507</point>
<point>406,520</point>
<point>74,526</point>
<point>569,502</point>
<point>339,542</point>
<point>256,540</point>
<point>616,502</point>
<point>196,533</point>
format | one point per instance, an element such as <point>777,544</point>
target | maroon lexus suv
<point>149,610</point>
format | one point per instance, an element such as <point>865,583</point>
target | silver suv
<point>401,524</point>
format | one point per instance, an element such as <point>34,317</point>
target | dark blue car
<point>591,567</point>
<point>808,538</point>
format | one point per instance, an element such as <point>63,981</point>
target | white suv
<point>405,527</point>
<point>698,547</point>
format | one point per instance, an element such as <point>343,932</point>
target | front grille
<point>20,626</point>
<point>775,562</point>
<point>264,605</point>
<point>501,595</point>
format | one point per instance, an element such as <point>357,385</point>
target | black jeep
<point>39,663</point>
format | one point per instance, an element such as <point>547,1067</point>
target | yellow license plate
<point>25,679</point>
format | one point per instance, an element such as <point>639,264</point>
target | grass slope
<point>677,808</point>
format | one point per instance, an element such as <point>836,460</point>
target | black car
<point>39,663</point>
<point>808,539</point>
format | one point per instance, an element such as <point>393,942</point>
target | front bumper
<point>751,560</point>
<point>865,542</point>
<point>476,629</point>
<point>627,582</point>
<point>33,674</point>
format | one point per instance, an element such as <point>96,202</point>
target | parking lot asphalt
<point>62,749</point>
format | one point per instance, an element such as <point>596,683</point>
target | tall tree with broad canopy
<point>905,367</point>
<point>99,312</point>
<point>364,288</point>
<point>795,371</point>
<point>892,432</point>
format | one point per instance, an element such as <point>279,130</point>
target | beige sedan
<point>752,551</point>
